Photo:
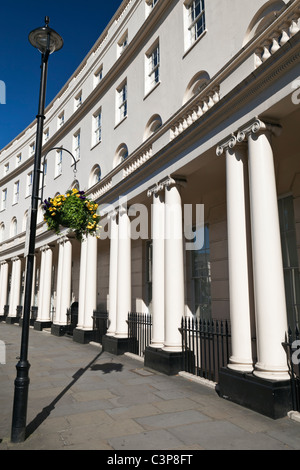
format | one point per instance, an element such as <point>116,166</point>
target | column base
<point>40,325</point>
<point>166,362</point>
<point>59,330</point>
<point>12,320</point>
<point>268,397</point>
<point>83,336</point>
<point>114,345</point>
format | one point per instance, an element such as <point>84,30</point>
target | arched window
<point>2,230</point>
<point>120,155</point>
<point>75,185</point>
<point>154,123</point>
<point>196,84</point>
<point>40,214</point>
<point>24,222</point>
<point>13,227</point>
<point>95,175</point>
<point>263,18</point>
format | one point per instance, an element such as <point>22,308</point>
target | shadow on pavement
<point>43,415</point>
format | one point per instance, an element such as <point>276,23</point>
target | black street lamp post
<point>46,40</point>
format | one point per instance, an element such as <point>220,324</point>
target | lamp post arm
<point>44,160</point>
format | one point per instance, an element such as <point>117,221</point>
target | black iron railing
<point>206,346</point>
<point>292,347</point>
<point>139,332</point>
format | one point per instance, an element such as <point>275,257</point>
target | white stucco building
<point>180,103</point>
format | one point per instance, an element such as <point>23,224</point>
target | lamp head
<point>45,39</point>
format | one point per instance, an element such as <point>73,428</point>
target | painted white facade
<point>217,125</point>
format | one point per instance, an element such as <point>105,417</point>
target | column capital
<point>3,262</point>
<point>62,239</point>
<point>228,143</point>
<point>45,248</point>
<point>256,126</point>
<point>166,182</point>
<point>156,188</point>
<point>15,258</point>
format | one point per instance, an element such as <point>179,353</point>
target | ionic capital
<point>255,127</point>
<point>227,143</point>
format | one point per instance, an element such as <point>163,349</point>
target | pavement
<point>81,398</point>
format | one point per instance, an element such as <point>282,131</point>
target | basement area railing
<point>206,346</point>
<point>292,348</point>
<point>139,332</point>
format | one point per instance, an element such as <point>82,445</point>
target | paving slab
<point>81,398</point>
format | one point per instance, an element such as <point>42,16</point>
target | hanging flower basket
<point>74,211</point>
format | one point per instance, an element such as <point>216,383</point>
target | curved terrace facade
<point>184,114</point>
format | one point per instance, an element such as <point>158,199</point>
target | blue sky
<point>80,23</point>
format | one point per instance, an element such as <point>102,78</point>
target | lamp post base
<point>18,430</point>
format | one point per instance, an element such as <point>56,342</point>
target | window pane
<point>290,259</point>
<point>202,279</point>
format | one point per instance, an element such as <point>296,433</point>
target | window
<point>98,75</point>
<point>78,100</point>
<point>13,227</point>
<point>31,149</point>
<point>29,184</point>
<point>150,4</point>
<point>196,19</point>
<point>122,102</point>
<point>6,169</point>
<point>149,269</point>
<point>24,222</point>
<point>152,67</point>
<point>18,159</point>
<point>2,230</point>
<point>76,145</point>
<point>122,44</point>
<point>290,260</point>
<point>16,192</point>
<point>95,176</point>
<point>97,122</point>
<point>3,199</point>
<point>58,163</point>
<point>154,123</point>
<point>61,119</point>
<point>202,279</point>
<point>120,155</point>
<point>46,135</point>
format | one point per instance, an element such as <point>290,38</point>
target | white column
<point>90,283</point>
<point>63,281</point>
<point>174,267</point>
<point>124,274</point>
<point>113,275</point>
<point>158,268</point>
<point>41,285</point>
<point>3,285</point>
<point>15,287</point>
<point>238,264</point>
<point>270,305</point>
<point>45,285</point>
<point>81,297</point>
<point>58,281</point>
